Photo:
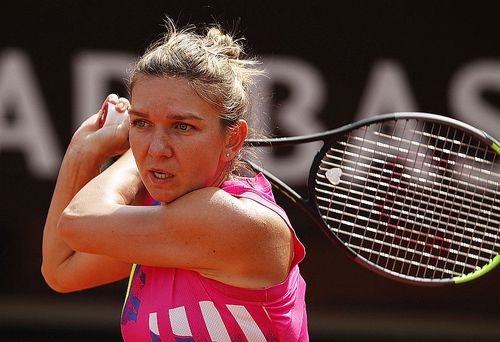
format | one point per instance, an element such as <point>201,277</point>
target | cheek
<point>211,148</point>
<point>132,137</point>
<point>204,155</point>
<point>201,156</point>
<point>138,138</point>
<point>138,147</point>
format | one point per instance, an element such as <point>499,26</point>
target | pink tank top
<point>169,304</point>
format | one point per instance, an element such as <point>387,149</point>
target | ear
<point>235,138</point>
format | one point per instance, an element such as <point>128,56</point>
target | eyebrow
<point>178,116</point>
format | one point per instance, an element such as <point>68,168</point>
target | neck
<point>224,175</point>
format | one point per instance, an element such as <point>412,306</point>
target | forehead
<point>151,94</point>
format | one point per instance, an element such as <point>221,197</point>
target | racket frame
<point>310,206</point>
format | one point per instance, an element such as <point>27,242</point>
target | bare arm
<point>63,268</point>
<point>93,233</point>
<point>236,241</point>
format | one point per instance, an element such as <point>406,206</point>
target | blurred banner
<point>328,64</point>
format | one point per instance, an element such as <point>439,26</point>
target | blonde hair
<point>211,62</point>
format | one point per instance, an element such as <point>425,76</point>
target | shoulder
<point>256,239</point>
<point>247,211</point>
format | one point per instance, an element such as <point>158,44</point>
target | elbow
<point>52,280</point>
<point>67,228</point>
<point>64,224</point>
<point>56,264</point>
<point>77,229</point>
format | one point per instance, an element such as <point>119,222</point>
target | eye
<point>139,123</point>
<point>183,126</point>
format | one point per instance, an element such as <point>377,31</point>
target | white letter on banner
<point>387,90</point>
<point>296,115</point>
<point>30,130</point>
<point>93,71</point>
<point>466,90</point>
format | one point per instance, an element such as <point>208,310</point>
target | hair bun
<point>223,43</point>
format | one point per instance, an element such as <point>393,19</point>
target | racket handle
<point>110,116</point>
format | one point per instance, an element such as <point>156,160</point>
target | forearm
<point>81,189</point>
<point>65,268</point>
<point>117,186</point>
<point>75,172</point>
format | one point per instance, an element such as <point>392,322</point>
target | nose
<point>159,146</point>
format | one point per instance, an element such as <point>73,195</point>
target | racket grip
<point>110,116</point>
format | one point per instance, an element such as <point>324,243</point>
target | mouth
<point>160,177</point>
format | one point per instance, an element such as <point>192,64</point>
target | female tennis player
<point>214,258</point>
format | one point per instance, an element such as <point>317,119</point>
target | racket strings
<point>481,155</point>
<point>453,229</point>
<point>413,214</point>
<point>412,197</point>
<point>457,144</point>
<point>426,194</point>
<point>407,234</point>
<point>349,136</point>
<point>417,200</point>
<point>390,210</point>
<point>432,163</point>
<point>436,155</point>
<point>443,153</point>
<point>404,216</point>
<point>426,174</point>
<point>404,238</point>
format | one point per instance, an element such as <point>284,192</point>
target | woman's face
<point>176,137</point>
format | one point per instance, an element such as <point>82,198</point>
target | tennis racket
<point>110,115</point>
<point>411,196</point>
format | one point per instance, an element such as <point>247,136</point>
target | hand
<point>102,143</point>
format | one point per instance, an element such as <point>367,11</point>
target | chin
<point>159,195</point>
<point>170,194</point>
<point>162,197</point>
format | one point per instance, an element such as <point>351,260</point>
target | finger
<point>113,98</point>
<point>123,104</point>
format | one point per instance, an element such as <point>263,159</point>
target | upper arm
<point>207,230</point>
